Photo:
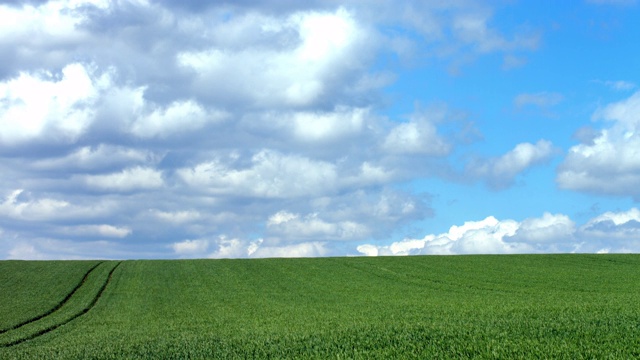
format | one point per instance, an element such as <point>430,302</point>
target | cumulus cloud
<point>418,136</point>
<point>270,175</point>
<point>315,127</point>
<point>180,116</point>
<point>57,106</point>
<point>227,247</point>
<point>103,230</point>
<point>22,206</point>
<point>621,225</point>
<point>500,172</point>
<point>608,163</point>
<point>312,226</point>
<point>473,237</point>
<point>318,47</point>
<point>609,232</point>
<point>102,156</point>
<point>137,178</point>
<point>190,247</point>
<point>171,124</point>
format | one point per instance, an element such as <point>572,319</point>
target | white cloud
<point>225,247</point>
<point>177,117</point>
<point>271,175</point>
<point>230,248</point>
<point>18,205</point>
<point>98,157</point>
<point>609,163</point>
<point>330,126</point>
<point>473,237</point>
<point>24,251</point>
<point>612,225</point>
<point>45,105</point>
<point>550,228</point>
<point>418,136</point>
<point>551,233</point>
<point>319,48</point>
<point>500,172</point>
<point>103,230</point>
<point>137,178</point>
<point>190,247</point>
<point>177,217</point>
<point>53,23</point>
<point>127,110</point>
<point>312,226</point>
<point>306,249</point>
<point>63,249</point>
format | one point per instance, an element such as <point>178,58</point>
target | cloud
<point>184,128</point>
<point>137,178</point>
<point>104,230</point>
<point>319,51</point>
<point>621,225</point>
<point>513,62</point>
<point>549,229</point>
<point>311,226</point>
<point>65,249</point>
<point>309,249</point>
<point>270,175</point>
<point>226,247</point>
<point>57,106</point>
<point>551,233</point>
<point>500,172</point>
<point>101,156</point>
<point>473,237</point>
<point>180,116</point>
<point>620,85</point>
<point>607,164</point>
<point>319,127</point>
<point>473,28</point>
<point>190,247</point>
<point>21,206</point>
<point>541,99</point>
<point>418,136</point>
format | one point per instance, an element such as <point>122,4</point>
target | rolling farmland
<point>516,306</point>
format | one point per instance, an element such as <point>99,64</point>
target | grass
<point>32,288</point>
<point>521,306</point>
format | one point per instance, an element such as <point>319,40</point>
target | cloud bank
<point>256,129</point>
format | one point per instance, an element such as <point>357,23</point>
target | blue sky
<point>166,129</point>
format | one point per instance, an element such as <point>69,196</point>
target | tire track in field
<point>57,306</point>
<point>77,315</point>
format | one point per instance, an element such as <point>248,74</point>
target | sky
<point>243,129</point>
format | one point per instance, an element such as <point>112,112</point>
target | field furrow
<point>449,307</point>
<point>77,303</point>
<point>56,307</point>
<point>32,288</point>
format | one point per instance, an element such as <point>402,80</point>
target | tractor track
<point>57,306</point>
<point>75,316</point>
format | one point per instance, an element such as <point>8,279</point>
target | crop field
<point>509,306</point>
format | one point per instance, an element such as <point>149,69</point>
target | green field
<point>515,306</point>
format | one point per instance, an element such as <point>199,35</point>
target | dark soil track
<point>60,305</point>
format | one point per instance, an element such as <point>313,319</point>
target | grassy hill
<point>529,306</point>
